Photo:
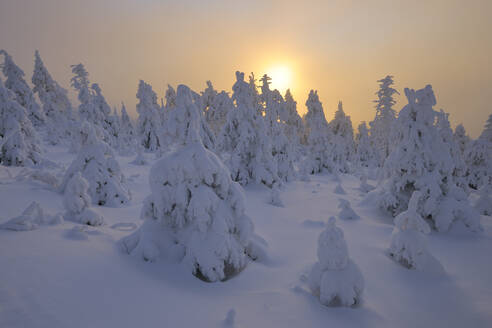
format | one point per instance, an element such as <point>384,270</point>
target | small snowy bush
<point>346,211</point>
<point>77,202</point>
<point>335,278</point>
<point>408,245</point>
<point>31,218</point>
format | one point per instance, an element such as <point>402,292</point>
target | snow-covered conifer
<point>31,218</point>
<point>195,212</point>
<point>461,138</point>
<point>19,144</point>
<point>381,126</point>
<point>96,162</point>
<point>339,189</point>
<point>23,93</point>
<point>408,245</point>
<point>478,158</point>
<point>104,119</point>
<point>364,154</point>
<point>77,202</point>
<point>177,120</point>
<point>56,105</point>
<point>170,97</point>
<point>274,197</point>
<point>342,141</point>
<point>294,127</point>
<point>346,211</point>
<point>317,137</point>
<point>149,122</point>
<point>335,278</point>
<point>283,151</point>
<point>217,105</point>
<point>127,133</point>
<point>484,202</point>
<point>243,140</point>
<point>422,161</point>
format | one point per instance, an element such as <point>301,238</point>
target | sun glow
<point>281,77</point>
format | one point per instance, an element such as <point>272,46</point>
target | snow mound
<point>31,218</point>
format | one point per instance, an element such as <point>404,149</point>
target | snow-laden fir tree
<point>170,97</point>
<point>149,120</point>
<point>97,164</point>
<point>77,202</point>
<point>293,125</point>
<point>317,137</point>
<point>56,105</point>
<point>127,137</point>
<point>282,150</point>
<point>335,278</point>
<point>364,152</point>
<point>484,202</point>
<point>175,126</point>
<point>195,212</point>
<point>342,148</point>
<point>23,93</point>
<point>243,141</point>
<point>105,120</point>
<point>461,138</point>
<point>422,161</point>
<point>478,157</point>
<point>80,82</point>
<point>19,145</point>
<point>382,124</point>
<point>408,244</point>
<point>217,105</point>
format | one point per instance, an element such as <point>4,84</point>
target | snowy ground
<point>55,277</point>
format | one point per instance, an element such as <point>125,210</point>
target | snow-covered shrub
<point>19,145</point>
<point>381,126</point>
<point>195,212</point>
<point>96,162</point>
<point>149,120</point>
<point>335,278</point>
<point>31,218</point>
<point>56,106</point>
<point>77,202</point>
<point>364,186</point>
<point>140,158</point>
<point>339,189</point>
<point>23,93</point>
<point>342,150</point>
<point>274,197</point>
<point>317,136</point>
<point>421,160</point>
<point>408,245</point>
<point>346,211</point>
<point>243,141</point>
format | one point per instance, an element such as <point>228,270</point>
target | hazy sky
<point>339,48</point>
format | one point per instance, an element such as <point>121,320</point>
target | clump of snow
<point>77,202</point>
<point>31,218</point>
<point>274,197</point>
<point>408,245</point>
<point>364,186</point>
<point>335,278</point>
<point>346,211</point>
<point>195,212</point>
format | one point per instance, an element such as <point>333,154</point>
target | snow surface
<point>73,275</point>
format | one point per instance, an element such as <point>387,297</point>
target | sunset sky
<point>339,48</point>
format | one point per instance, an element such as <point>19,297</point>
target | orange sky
<point>339,48</point>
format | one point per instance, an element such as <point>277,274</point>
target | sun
<point>281,77</point>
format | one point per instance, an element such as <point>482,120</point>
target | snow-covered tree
<point>244,142</point>
<point>170,97</point>
<point>77,202</point>
<point>127,133</point>
<point>408,245</point>
<point>97,164</point>
<point>317,137</point>
<point>422,161</point>
<point>149,121</point>
<point>335,278</point>
<point>461,138</point>
<point>342,141</point>
<point>346,211</point>
<point>282,150</point>
<point>102,111</point>
<point>216,106</point>
<point>195,212</point>
<point>56,106</point>
<point>177,120</point>
<point>381,126</point>
<point>484,202</point>
<point>31,218</point>
<point>23,93</point>
<point>80,82</point>
<point>478,157</point>
<point>19,145</point>
<point>364,153</point>
<point>294,127</point>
